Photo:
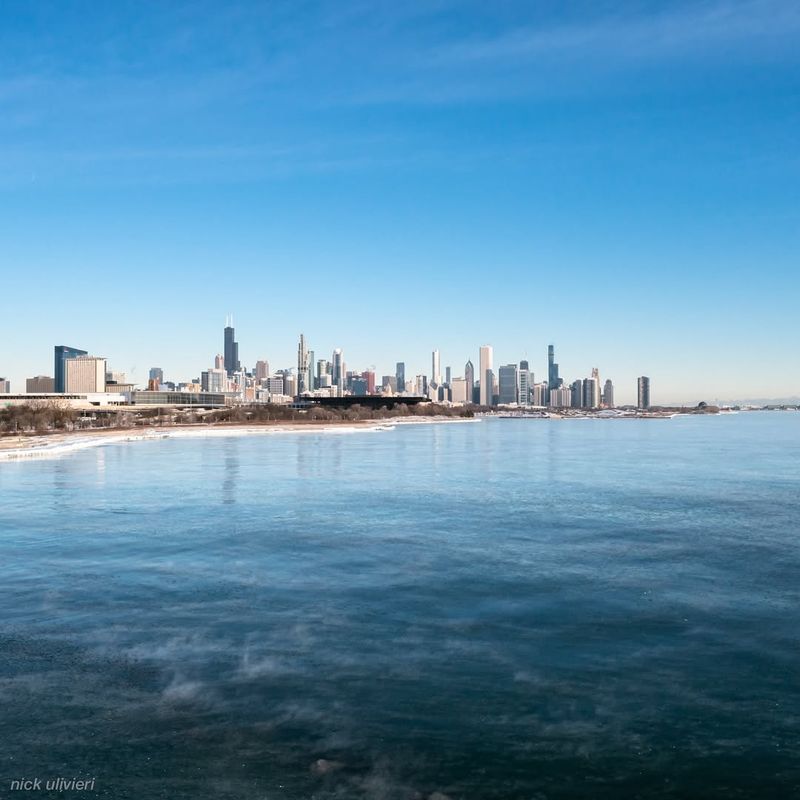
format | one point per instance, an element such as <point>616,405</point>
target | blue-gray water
<point>503,609</point>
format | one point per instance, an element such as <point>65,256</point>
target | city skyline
<point>620,393</point>
<point>623,392</point>
<point>226,365</point>
<point>618,180</point>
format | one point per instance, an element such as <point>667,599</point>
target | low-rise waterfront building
<point>180,399</point>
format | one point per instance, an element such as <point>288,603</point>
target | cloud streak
<point>622,36</point>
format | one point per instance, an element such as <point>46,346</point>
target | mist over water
<point>501,609</point>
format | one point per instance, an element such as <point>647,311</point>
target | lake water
<point>500,609</point>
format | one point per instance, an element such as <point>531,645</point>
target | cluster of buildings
<point>79,376</point>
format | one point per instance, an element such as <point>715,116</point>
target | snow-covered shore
<point>57,444</point>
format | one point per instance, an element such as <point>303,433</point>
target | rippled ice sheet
<point>510,609</point>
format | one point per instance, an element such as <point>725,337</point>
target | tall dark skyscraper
<point>553,381</point>
<point>62,353</point>
<point>231,349</point>
<point>643,392</point>
<point>400,376</point>
<point>469,377</point>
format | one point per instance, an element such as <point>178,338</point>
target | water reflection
<point>100,467</point>
<point>231,469</point>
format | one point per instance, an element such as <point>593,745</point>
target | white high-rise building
<point>485,375</point>
<point>436,368</point>
<point>84,374</point>
<point>524,384</point>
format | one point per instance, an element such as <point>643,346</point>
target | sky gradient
<point>619,179</point>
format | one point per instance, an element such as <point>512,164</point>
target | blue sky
<point>621,179</point>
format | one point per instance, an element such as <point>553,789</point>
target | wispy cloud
<point>670,32</point>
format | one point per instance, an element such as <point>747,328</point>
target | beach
<point>57,444</point>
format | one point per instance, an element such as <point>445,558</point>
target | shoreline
<point>48,445</point>
<point>58,443</point>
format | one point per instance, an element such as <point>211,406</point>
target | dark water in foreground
<point>505,609</point>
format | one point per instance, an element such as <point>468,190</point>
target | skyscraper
<point>84,374</point>
<point>310,379</point>
<point>577,394</point>
<point>62,353</point>
<point>460,391</point>
<point>448,375</point>
<point>5,386</point>
<point>643,392</point>
<point>369,377</point>
<point>400,376</point>
<point>509,386</point>
<point>305,378</point>
<point>608,394</point>
<point>469,377</point>
<point>436,369</point>
<point>539,394</point>
<point>338,371</point>
<point>560,398</point>
<point>262,370</point>
<point>596,392</point>
<point>324,369</point>
<point>553,381</point>
<point>485,376</point>
<point>231,348</point>
<point>213,380</point>
<point>525,380</point>
<point>591,393</point>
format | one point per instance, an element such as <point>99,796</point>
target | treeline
<point>40,416</point>
<point>274,413</point>
<point>56,415</point>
